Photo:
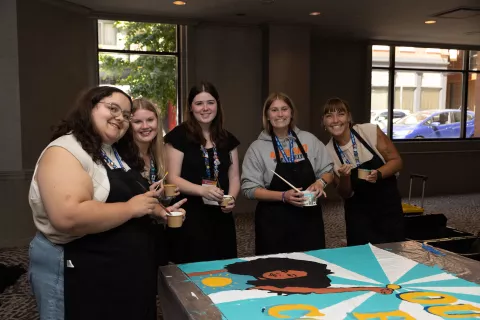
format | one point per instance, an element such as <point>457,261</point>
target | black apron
<point>374,213</point>
<point>113,274</point>
<point>281,227</point>
<point>207,233</point>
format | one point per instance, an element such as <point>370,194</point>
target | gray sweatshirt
<point>260,159</point>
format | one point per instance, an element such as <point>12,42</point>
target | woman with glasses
<point>92,257</point>
<point>145,139</point>
<point>202,160</point>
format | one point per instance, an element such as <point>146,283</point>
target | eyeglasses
<point>116,111</point>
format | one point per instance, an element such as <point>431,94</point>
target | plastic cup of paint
<point>363,173</point>
<point>310,199</point>
<point>175,219</point>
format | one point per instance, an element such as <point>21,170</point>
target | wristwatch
<point>323,182</point>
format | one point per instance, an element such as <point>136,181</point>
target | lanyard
<point>153,170</point>
<point>110,162</point>
<point>216,162</point>
<point>355,151</point>
<point>280,148</point>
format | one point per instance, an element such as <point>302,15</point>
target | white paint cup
<point>310,199</point>
<point>175,219</point>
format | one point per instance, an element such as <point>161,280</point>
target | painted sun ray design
<point>393,265</point>
<point>340,310</point>
<point>474,291</point>
<point>437,277</point>
<point>417,311</point>
<point>338,271</point>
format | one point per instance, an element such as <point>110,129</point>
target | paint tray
<point>411,209</point>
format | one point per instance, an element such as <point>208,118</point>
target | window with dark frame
<point>142,58</point>
<point>426,84</point>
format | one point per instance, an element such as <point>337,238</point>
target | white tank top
<point>101,187</point>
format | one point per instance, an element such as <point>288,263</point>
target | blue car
<point>431,124</point>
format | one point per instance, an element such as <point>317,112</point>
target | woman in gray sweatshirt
<point>286,220</point>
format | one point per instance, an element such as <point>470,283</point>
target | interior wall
<point>231,58</point>
<point>55,62</point>
<point>48,59</point>
<point>10,123</point>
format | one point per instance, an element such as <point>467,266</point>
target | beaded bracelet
<point>283,196</point>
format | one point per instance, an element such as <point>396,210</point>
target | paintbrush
<point>291,185</point>
<point>169,213</point>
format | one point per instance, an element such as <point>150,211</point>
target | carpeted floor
<point>462,211</point>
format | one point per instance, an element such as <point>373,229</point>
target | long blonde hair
<point>156,147</point>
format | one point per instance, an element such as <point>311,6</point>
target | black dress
<point>207,233</point>
<point>281,227</point>
<point>374,213</point>
<point>113,274</point>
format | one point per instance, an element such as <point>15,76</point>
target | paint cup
<point>226,199</point>
<point>310,199</point>
<point>175,219</point>
<point>363,173</point>
<point>170,190</point>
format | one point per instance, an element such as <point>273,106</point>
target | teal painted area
<point>419,271</point>
<point>444,283</point>
<point>207,265</point>
<point>359,259</point>
<point>252,309</point>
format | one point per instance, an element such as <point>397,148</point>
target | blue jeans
<point>45,274</point>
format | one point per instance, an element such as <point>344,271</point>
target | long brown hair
<point>218,134</point>
<point>267,126</point>
<point>79,121</point>
<point>155,148</point>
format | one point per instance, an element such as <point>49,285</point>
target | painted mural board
<point>360,282</point>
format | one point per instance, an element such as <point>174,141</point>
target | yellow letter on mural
<point>428,297</point>
<point>441,311</point>
<point>275,311</point>
<point>383,315</point>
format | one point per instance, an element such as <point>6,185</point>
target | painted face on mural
<point>284,274</point>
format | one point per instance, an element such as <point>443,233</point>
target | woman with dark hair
<point>365,163</point>
<point>287,276</point>
<point>202,161</point>
<point>300,158</point>
<point>92,257</point>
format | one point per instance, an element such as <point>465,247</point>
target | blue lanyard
<point>290,159</point>
<point>216,162</point>
<point>153,170</point>
<point>355,150</point>
<point>110,162</point>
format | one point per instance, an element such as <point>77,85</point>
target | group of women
<point>98,185</point>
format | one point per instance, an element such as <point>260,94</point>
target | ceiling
<point>400,20</point>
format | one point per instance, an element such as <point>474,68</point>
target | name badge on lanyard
<point>355,151</point>
<point>109,161</point>
<point>209,180</point>
<point>153,171</point>
<point>286,159</point>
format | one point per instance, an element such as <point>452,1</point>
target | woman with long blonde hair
<point>145,138</point>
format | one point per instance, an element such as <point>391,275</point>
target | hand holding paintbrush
<point>294,196</point>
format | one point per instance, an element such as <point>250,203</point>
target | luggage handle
<point>424,180</point>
